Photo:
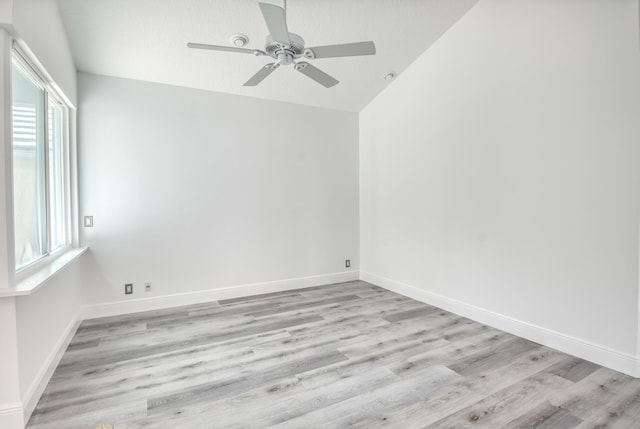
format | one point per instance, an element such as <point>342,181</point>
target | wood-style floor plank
<point>342,355</point>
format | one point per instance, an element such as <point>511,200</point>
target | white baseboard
<point>34,392</point>
<point>614,359</point>
<point>11,416</point>
<point>167,301</point>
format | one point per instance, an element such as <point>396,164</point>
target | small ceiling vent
<point>239,40</point>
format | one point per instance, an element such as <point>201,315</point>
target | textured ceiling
<point>146,40</point>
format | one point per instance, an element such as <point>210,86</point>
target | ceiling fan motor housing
<point>294,49</point>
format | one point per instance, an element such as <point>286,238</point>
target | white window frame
<point>53,94</point>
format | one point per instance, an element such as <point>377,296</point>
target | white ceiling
<point>146,40</point>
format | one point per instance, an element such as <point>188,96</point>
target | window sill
<point>31,283</point>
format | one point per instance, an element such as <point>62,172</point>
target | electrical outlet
<point>147,287</point>
<point>128,288</point>
<point>347,263</point>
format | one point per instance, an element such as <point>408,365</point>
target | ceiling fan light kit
<point>288,48</point>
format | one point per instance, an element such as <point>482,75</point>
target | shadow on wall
<point>95,284</point>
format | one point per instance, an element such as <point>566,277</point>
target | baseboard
<point>167,301</point>
<point>614,359</point>
<point>11,416</point>
<point>34,392</point>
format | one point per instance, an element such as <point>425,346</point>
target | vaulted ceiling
<point>147,40</point>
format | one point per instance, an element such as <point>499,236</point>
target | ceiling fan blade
<point>343,50</point>
<point>222,48</point>
<point>316,74</point>
<point>261,75</point>
<point>276,21</point>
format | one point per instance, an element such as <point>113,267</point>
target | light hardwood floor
<point>343,355</point>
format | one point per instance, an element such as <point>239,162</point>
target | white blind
<point>24,128</point>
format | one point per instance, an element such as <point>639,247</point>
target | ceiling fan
<point>288,48</point>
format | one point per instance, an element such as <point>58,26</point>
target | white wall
<point>33,327</point>
<point>195,191</point>
<point>6,11</point>
<point>10,405</point>
<point>500,174</point>
<point>39,24</point>
<point>6,150</point>
<point>45,321</point>
<point>11,416</point>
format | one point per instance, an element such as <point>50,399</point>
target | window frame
<point>51,94</point>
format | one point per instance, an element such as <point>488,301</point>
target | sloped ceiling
<point>146,40</point>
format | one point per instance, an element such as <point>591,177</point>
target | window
<point>40,166</point>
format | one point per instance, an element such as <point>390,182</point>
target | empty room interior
<point>305,214</point>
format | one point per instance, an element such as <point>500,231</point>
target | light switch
<point>88,221</point>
